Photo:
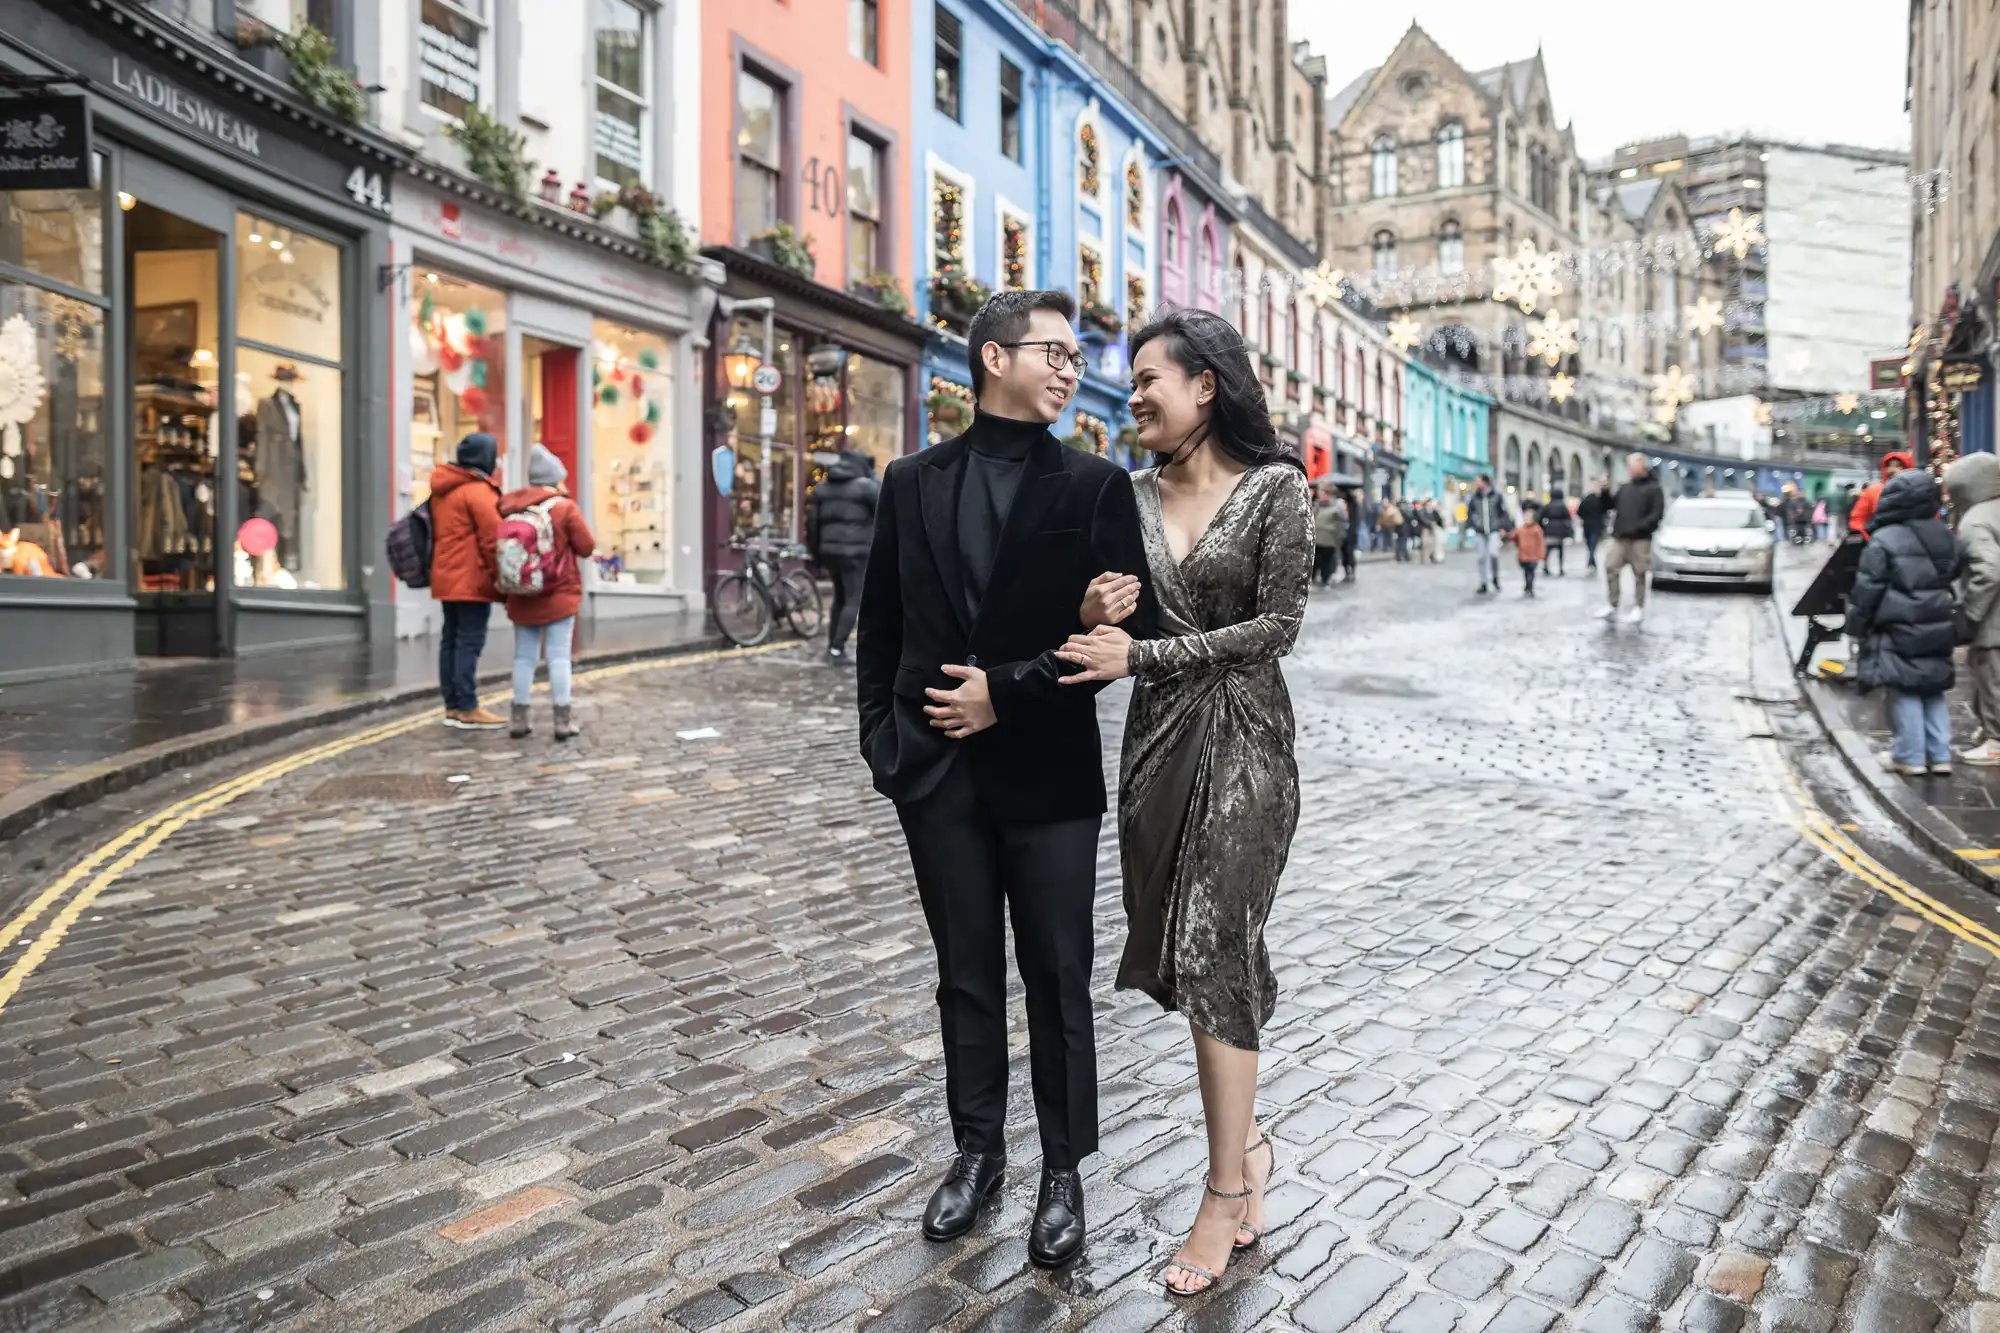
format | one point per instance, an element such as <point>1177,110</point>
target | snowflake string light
<point>1322,284</point>
<point>1405,332</point>
<point>1562,387</point>
<point>1704,316</point>
<point>1847,403</point>
<point>1670,391</point>
<point>1528,279</point>
<point>1552,339</point>
<point>1737,234</point>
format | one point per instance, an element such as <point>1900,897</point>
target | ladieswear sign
<point>195,112</point>
<point>44,142</point>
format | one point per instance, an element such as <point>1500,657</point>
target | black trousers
<point>1324,560</point>
<point>1555,557</point>
<point>846,571</point>
<point>971,868</point>
<point>1347,557</point>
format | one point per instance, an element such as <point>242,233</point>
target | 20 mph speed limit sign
<point>766,380</point>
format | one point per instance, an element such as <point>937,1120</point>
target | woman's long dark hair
<point>1239,419</point>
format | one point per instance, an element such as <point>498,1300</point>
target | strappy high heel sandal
<point>1208,1279</point>
<point>1256,1233</point>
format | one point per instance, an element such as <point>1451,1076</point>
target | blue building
<point>1032,172</point>
<point>1445,430</point>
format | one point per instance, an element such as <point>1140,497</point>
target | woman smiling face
<point>1167,403</point>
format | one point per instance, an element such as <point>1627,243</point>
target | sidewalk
<point>70,740</point>
<point>1957,817</point>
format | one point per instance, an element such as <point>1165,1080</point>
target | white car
<point>1714,539</point>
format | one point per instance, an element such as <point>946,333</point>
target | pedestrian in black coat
<point>1558,529</point>
<point>840,526</point>
<point>1900,613</point>
<point>1591,512</point>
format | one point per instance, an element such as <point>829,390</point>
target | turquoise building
<point>1446,425</point>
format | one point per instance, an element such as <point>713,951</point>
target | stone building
<point>1954,61</point>
<point>1438,178</point>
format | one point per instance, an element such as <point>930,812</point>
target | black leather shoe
<point>955,1203</point>
<point>1057,1232</point>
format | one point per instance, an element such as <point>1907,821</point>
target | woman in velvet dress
<point>1209,794</point>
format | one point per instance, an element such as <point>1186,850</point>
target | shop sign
<point>1887,373</point>
<point>197,113</point>
<point>45,142</point>
<point>159,81</point>
<point>1961,376</point>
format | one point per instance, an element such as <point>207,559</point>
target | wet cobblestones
<point>1575,1032</point>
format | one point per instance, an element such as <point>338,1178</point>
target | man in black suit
<point>984,551</point>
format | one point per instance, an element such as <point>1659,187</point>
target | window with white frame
<point>760,144</point>
<point>452,55</point>
<point>1451,155</point>
<point>1384,255</point>
<point>1451,247</point>
<point>864,30</point>
<point>1382,166</point>
<point>623,92</point>
<point>864,207</point>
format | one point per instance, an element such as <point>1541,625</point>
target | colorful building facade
<point>1446,425</point>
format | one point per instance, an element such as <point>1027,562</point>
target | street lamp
<point>740,362</point>
<point>740,365</point>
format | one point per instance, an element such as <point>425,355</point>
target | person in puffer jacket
<point>1972,484</point>
<point>1900,614</point>
<point>840,527</point>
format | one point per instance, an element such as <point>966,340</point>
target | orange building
<point>805,112</point>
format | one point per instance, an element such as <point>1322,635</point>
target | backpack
<point>409,546</point>
<point>529,562</point>
<point>1390,517</point>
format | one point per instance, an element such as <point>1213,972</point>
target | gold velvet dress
<point>1210,791</point>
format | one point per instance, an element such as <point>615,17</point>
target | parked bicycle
<point>748,604</point>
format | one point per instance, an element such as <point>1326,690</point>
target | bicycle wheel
<point>742,610</point>
<point>798,593</point>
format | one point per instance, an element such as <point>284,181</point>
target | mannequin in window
<point>281,463</point>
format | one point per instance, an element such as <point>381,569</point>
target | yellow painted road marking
<point>135,843</point>
<point>1796,807</point>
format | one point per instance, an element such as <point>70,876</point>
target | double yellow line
<point>1796,807</point>
<point>102,868</point>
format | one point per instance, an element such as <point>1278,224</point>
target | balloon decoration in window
<point>455,343</point>
<point>22,387</point>
<point>636,382</point>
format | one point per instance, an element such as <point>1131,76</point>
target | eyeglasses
<point>1058,353</point>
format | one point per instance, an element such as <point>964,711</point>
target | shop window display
<point>458,362</point>
<point>289,496</point>
<point>287,401</point>
<point>52,520</point>
<point>52,348</point>
<point>631,426</point>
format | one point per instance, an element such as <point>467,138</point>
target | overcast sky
<point>1807,71</point>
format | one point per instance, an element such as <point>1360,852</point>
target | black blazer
<point>1073,518</point>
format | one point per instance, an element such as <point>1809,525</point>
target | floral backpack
<point>531,562</point>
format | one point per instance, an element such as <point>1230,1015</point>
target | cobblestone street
<point>1578,1028</point>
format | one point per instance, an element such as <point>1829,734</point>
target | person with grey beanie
<point>543,541</point>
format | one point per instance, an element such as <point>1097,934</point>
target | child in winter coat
<point>1531,546</point>
<point>1900,612</point>
<point>548,619</point>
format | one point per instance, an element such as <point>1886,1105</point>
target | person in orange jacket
<point>1864,508</point>
<point>465,518</point>
<point>1531,545</point>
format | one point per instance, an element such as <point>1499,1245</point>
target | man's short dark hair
<point>1004,319</point>
<point>1486,477</point>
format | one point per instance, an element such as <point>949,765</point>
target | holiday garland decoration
<point>22,387</point>
<point>1553,338</point>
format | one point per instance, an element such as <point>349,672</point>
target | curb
<point>1935,832</point>
<point>21,810</point>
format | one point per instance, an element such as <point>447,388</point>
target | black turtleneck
<point>997,456</point>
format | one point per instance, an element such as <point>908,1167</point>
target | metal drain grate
<point>385,787</point>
